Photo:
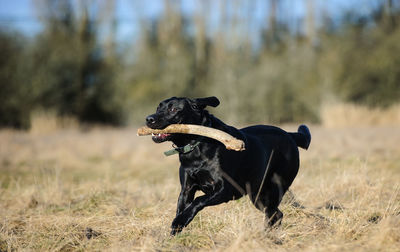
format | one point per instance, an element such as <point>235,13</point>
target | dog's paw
<point>179,223</point>
<point>175,230</point>
<point>275,220</point>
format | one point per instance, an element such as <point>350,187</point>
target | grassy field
<point>107,189</point>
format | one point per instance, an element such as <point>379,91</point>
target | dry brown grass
<point>45,122</point>
<point>348,115</point>
<point>106,189</point>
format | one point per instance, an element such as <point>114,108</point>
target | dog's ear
<point>201,103</point>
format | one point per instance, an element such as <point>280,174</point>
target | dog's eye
<point>194,106</point>
<point>172,110</point>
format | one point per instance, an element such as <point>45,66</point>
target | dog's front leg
<point>186,216</point>
<point>187,193</point>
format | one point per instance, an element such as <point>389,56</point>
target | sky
<point>22,16</point>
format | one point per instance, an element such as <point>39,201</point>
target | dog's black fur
<point>223,174</point>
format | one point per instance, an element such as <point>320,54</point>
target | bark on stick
<point>230,142</point>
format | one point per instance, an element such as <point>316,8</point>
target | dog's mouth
<point>159,138</point>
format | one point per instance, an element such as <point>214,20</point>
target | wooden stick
<point>230,142</point>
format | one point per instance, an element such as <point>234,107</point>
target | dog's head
<point>178,110</point>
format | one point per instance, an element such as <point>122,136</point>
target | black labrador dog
<point>264,171</point>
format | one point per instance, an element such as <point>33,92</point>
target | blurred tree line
<point>281,73</point>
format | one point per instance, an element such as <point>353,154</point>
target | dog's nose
<point>150,119</point>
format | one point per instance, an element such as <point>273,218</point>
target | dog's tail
<point>302,137</point>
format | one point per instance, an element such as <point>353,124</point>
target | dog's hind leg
<point>268,205</point>
<point>269,200</point>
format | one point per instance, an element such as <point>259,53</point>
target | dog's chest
<point>202,168</point>
<point>202,172</point>
<point>205,179</point>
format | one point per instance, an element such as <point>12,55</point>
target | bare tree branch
<point>230,142</point>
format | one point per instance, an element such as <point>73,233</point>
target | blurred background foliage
<point>284,72</point>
